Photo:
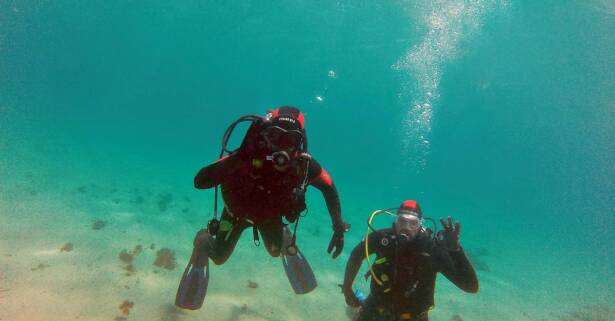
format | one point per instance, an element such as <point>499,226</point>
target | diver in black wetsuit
<point>262,182</point>
<point>404,271</point>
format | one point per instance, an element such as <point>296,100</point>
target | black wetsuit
<point>257,194</point>
<point>408,272</point>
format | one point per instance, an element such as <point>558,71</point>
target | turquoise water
<point>500,113</point>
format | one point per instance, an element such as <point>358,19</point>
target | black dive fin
<point>193,285</point>
<point>297,268</point>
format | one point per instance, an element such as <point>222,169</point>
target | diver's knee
<point>219,261</point>
<point>274,251</point>
<point>203,240</point>
<point>219,255</point>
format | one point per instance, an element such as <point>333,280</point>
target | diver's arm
<point>458,269</point>
<point>353,265</point>
<point>454,263</point>
<point>319,178</point>
<point>215,173</point>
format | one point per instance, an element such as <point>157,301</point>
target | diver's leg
<point>271,231</point>
<point>421,317</point>
<point>193,284</point>
<point>228,234</point>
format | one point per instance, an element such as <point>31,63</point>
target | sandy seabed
<point>116,253</point>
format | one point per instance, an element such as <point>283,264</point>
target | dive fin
<point>297,268</point>
<point>193,285</point>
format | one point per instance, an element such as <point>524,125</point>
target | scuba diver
<point>262,182</point>
<point>408,257</point>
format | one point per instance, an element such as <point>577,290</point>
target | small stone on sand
<point>252,284</point>
<point>40,267</point>
<point>456,317</point>
<point>67,247</point>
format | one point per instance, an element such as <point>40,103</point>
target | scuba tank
<point>213,225</point>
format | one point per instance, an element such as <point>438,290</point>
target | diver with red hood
<point>408,258</point>
<point>263,186</point>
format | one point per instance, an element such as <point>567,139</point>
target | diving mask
<point>408,225</point>
<point>278,138</point>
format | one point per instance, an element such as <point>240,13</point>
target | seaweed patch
<point>139,200</point>
<point>99,224</point>
<point>164,200</point>
<point>126,306</point>
<point>137,250</point>
<point>165,258</point>
<point>127,258</point>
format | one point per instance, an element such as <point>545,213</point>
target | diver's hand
<point>351,297</point>
<point>337,241</point>
<point>449,237</point>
